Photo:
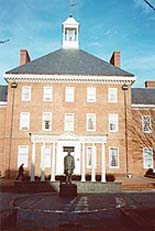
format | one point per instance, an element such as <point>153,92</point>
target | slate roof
<point>69,61</point>
<point>3,93</point>
<point>143,96</point>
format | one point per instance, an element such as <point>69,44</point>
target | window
<point>26,93</point>
<point>146,123</point>
<point>91,94</point>
<point>23,155</point>
<point>48,94</point>
<point>91,122</point>
<point>91,156</point>
<point>112,95</point>
<point>25,121</point>
<point>47,121</point>
<point>69,94</point>
<point>46,157</point>
<point>69,122</point>
<point>148,157</point>
<point>114,157</point>
<point>113,122</point>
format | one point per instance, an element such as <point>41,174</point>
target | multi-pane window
<point>146,123</point>
<point>91,122</point>
<point>46,157</point>
<point>113,122</point>
<point>91,156</point>
<point>26,93</point>
<point>148,157</point>
<point>23,155</point>
<point>91,94</point>
<point>114,157</point>
<point>24,121</point>
<point>47,121</point>
<point>112,95</point>
<point>69,122</point>
<point>69,94</point>
<point>48,94</point>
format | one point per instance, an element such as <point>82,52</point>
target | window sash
<point>148,157</point>
<point>46,157</point>
<point>112,95</point>
<point>47,121</point>
<point>48,94</point>
<point>69,122</point>
<point>69,94</point>
<point>146,123</point>
<point>91,122</point>
<point>91,94</point>
<point>23,155</point>
<point>26,93</point>
<point>113,122</point>
<point>113,157</point>
<point>24,121</point>
<point>91,156</point>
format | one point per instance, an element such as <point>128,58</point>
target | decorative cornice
<point>69,78</point>
<point>141,106</point>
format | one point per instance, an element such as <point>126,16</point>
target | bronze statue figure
<point>69,165</point>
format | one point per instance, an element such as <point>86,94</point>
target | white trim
<point>45,94</point>
<point>28,92</point>
<point>69,78</point>
<point>143,105</point>
<point>3,104</point>
<point>91,115</point>
<point>21,127</point>
<point>25,162</point>
<point>144,162</point>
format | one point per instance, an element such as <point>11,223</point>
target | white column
<point>93,172</point>
<point>53,164</point>
<point>103,178</point>
<point>33,161</point>
<point>42,163</point>
<point>83,178</point>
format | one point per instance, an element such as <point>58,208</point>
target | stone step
<point>138,187</point>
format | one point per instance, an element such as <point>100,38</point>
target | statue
<point>69,165</point>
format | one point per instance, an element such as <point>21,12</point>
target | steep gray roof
<point>143,96</point>
<point>69,61</point>
<point>3,93</point>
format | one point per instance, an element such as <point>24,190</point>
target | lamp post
<point>125,88</point>
<point>13,87</point>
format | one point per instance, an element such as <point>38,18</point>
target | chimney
<point>150,84</point>
<point>24,57</point>
<point>115,58</point>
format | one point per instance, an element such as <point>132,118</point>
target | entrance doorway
<point>62,150</point>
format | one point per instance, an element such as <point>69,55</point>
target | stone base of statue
<point>68,190</point>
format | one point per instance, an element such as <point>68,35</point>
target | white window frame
<point>93,117</point>
<point>69,94</point>
<point>113,120</point>
<point>23,156</point>
<point>91,94</point>
<point>44,115</point>
<point>91,155</point>
<point>143,123</point>
<point>144,157</point>
<point>117,157</point>
<point>24,122</point>
<point>26,93</point>
<point>112,95</point>
<point>45,157</point>
<point>69,122</point>
<point>47,94</point>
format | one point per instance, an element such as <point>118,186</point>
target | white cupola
<point>70,29</point>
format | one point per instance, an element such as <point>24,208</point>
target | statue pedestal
<point>68,190</point>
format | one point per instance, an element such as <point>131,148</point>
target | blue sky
<point>105,26</point>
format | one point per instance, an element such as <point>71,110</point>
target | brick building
<point>71,100</point>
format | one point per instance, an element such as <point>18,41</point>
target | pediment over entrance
<point>68,136</point>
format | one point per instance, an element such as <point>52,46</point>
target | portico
<point>57,145</point>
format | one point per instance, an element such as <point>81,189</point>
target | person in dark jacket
<point>20,175</point>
